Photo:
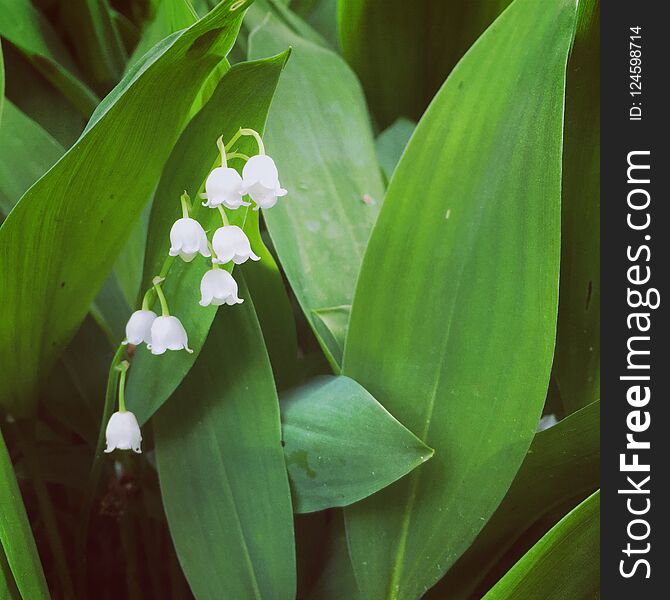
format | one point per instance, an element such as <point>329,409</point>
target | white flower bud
<point>224,186</point>
<point>260,180</point>
<point>187,238</point>
<point>167,333</point>
<point>123,432</point>
<point>231,243</point>
<point>218,287</point>
<point>138,328</point>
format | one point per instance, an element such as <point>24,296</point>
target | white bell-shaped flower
<point>123,432</point>
<point>231,243</point>
<point>138,328</point>
<point>167,333</point>
<point>219,287</point>
<point>260,180</point>
<point>224,186</point>
<point>187,238</point>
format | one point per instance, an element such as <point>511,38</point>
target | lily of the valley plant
<point>224,187</point>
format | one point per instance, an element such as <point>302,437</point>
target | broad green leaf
<point>273,307</point>
<point>68,228</point>
<point>336,580</point>
<point>562,465</point>
<point>16,537</point>
<point>391,144</point>
<point>577,365</point>
<point>26,152</point>
<point>402,54</point>
<point>2,81</point>
<point>28,30</point>
<point>257,14</point>
<point>171,16</point>
<point>453,323</point>
<point>322,16</point>
<point>38,99</point>
<point>242,99</point>
<point>319,135</point>
<point>332,323</point>
<point>565,563</point>
<point>8,589</point>
<point>96,40</point>
<point>341,445</point>
<point>221,468</point>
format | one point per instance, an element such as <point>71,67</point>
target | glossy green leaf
<point>273,307</point>
<point>38,99</point>
<point>258,12</point>
<point>221,467</point>
<point>242,99</point>
<point>28,30</point>
<point>401,78</point>
<point>453,322</point>
<point>26,152</point>
<point>341,445</point>
<point>171,16</point>
<point>336,580</point>
<point>391,144</point>
<point>565,563</point>
<point>16,537</point>
<point>319,135</point>
<point>96,40</point>
<point>8,589</point>
<point>577,365</point>
<point>2,81</point>
<point>68,228</point>
<point>562,465</point>
<point>322,16</point>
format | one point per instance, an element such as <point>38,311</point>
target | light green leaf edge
<point>565,563</point>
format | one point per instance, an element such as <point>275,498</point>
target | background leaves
<point>402,54</point>
<point>460,345</point>
<point>319,135</point>
<point>563,564</point>
<point>577,365</point>
<point>341,445</point>
<point>70,226</point>
<point>222,471</point>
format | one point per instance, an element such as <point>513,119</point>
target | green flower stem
<point>96,470</point>
<point>222,150</point>
<point>211,249</point>
<point>251,132</point>
<point>123,367</point>
<point>257,137</point>
<point>224,216</point>
<point>165,311</point>
<point>148,299</point>
<point>185,205</point>
<point>233,155</point>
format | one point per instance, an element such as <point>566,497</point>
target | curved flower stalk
<point>167,332</point>
<point>123,431</point>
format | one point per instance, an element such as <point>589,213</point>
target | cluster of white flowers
<point>225,188</point>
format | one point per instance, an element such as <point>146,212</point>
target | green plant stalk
<point>96,470</point>
<point>26,440</point>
